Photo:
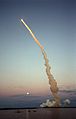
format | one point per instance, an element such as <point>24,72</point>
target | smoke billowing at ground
<point>52,81</point>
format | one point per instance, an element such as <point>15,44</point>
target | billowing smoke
<point>48,103</point>
<point>52,81</point>
<point>66,102</point>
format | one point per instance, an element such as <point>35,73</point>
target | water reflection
<point>55,113</point>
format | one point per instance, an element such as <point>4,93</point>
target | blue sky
<point>21,62</point>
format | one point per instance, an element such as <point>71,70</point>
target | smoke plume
<point>52,81</point>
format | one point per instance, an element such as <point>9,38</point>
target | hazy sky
<point>21,62</point>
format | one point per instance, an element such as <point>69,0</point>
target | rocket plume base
<point>52,81</point>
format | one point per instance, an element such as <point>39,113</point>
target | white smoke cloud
<point>48,103</point>
<point>67,102</point>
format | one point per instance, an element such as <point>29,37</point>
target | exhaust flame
<point>38,43</point>
<point>52,81</point>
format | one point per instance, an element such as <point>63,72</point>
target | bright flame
<point>38,43</point>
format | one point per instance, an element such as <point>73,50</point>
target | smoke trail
<point>52,81</point>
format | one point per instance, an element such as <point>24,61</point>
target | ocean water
<point>29,101</point>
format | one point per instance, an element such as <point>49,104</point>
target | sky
<point>21,63</point>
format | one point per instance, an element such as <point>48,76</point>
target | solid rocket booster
<point>35,39</point>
